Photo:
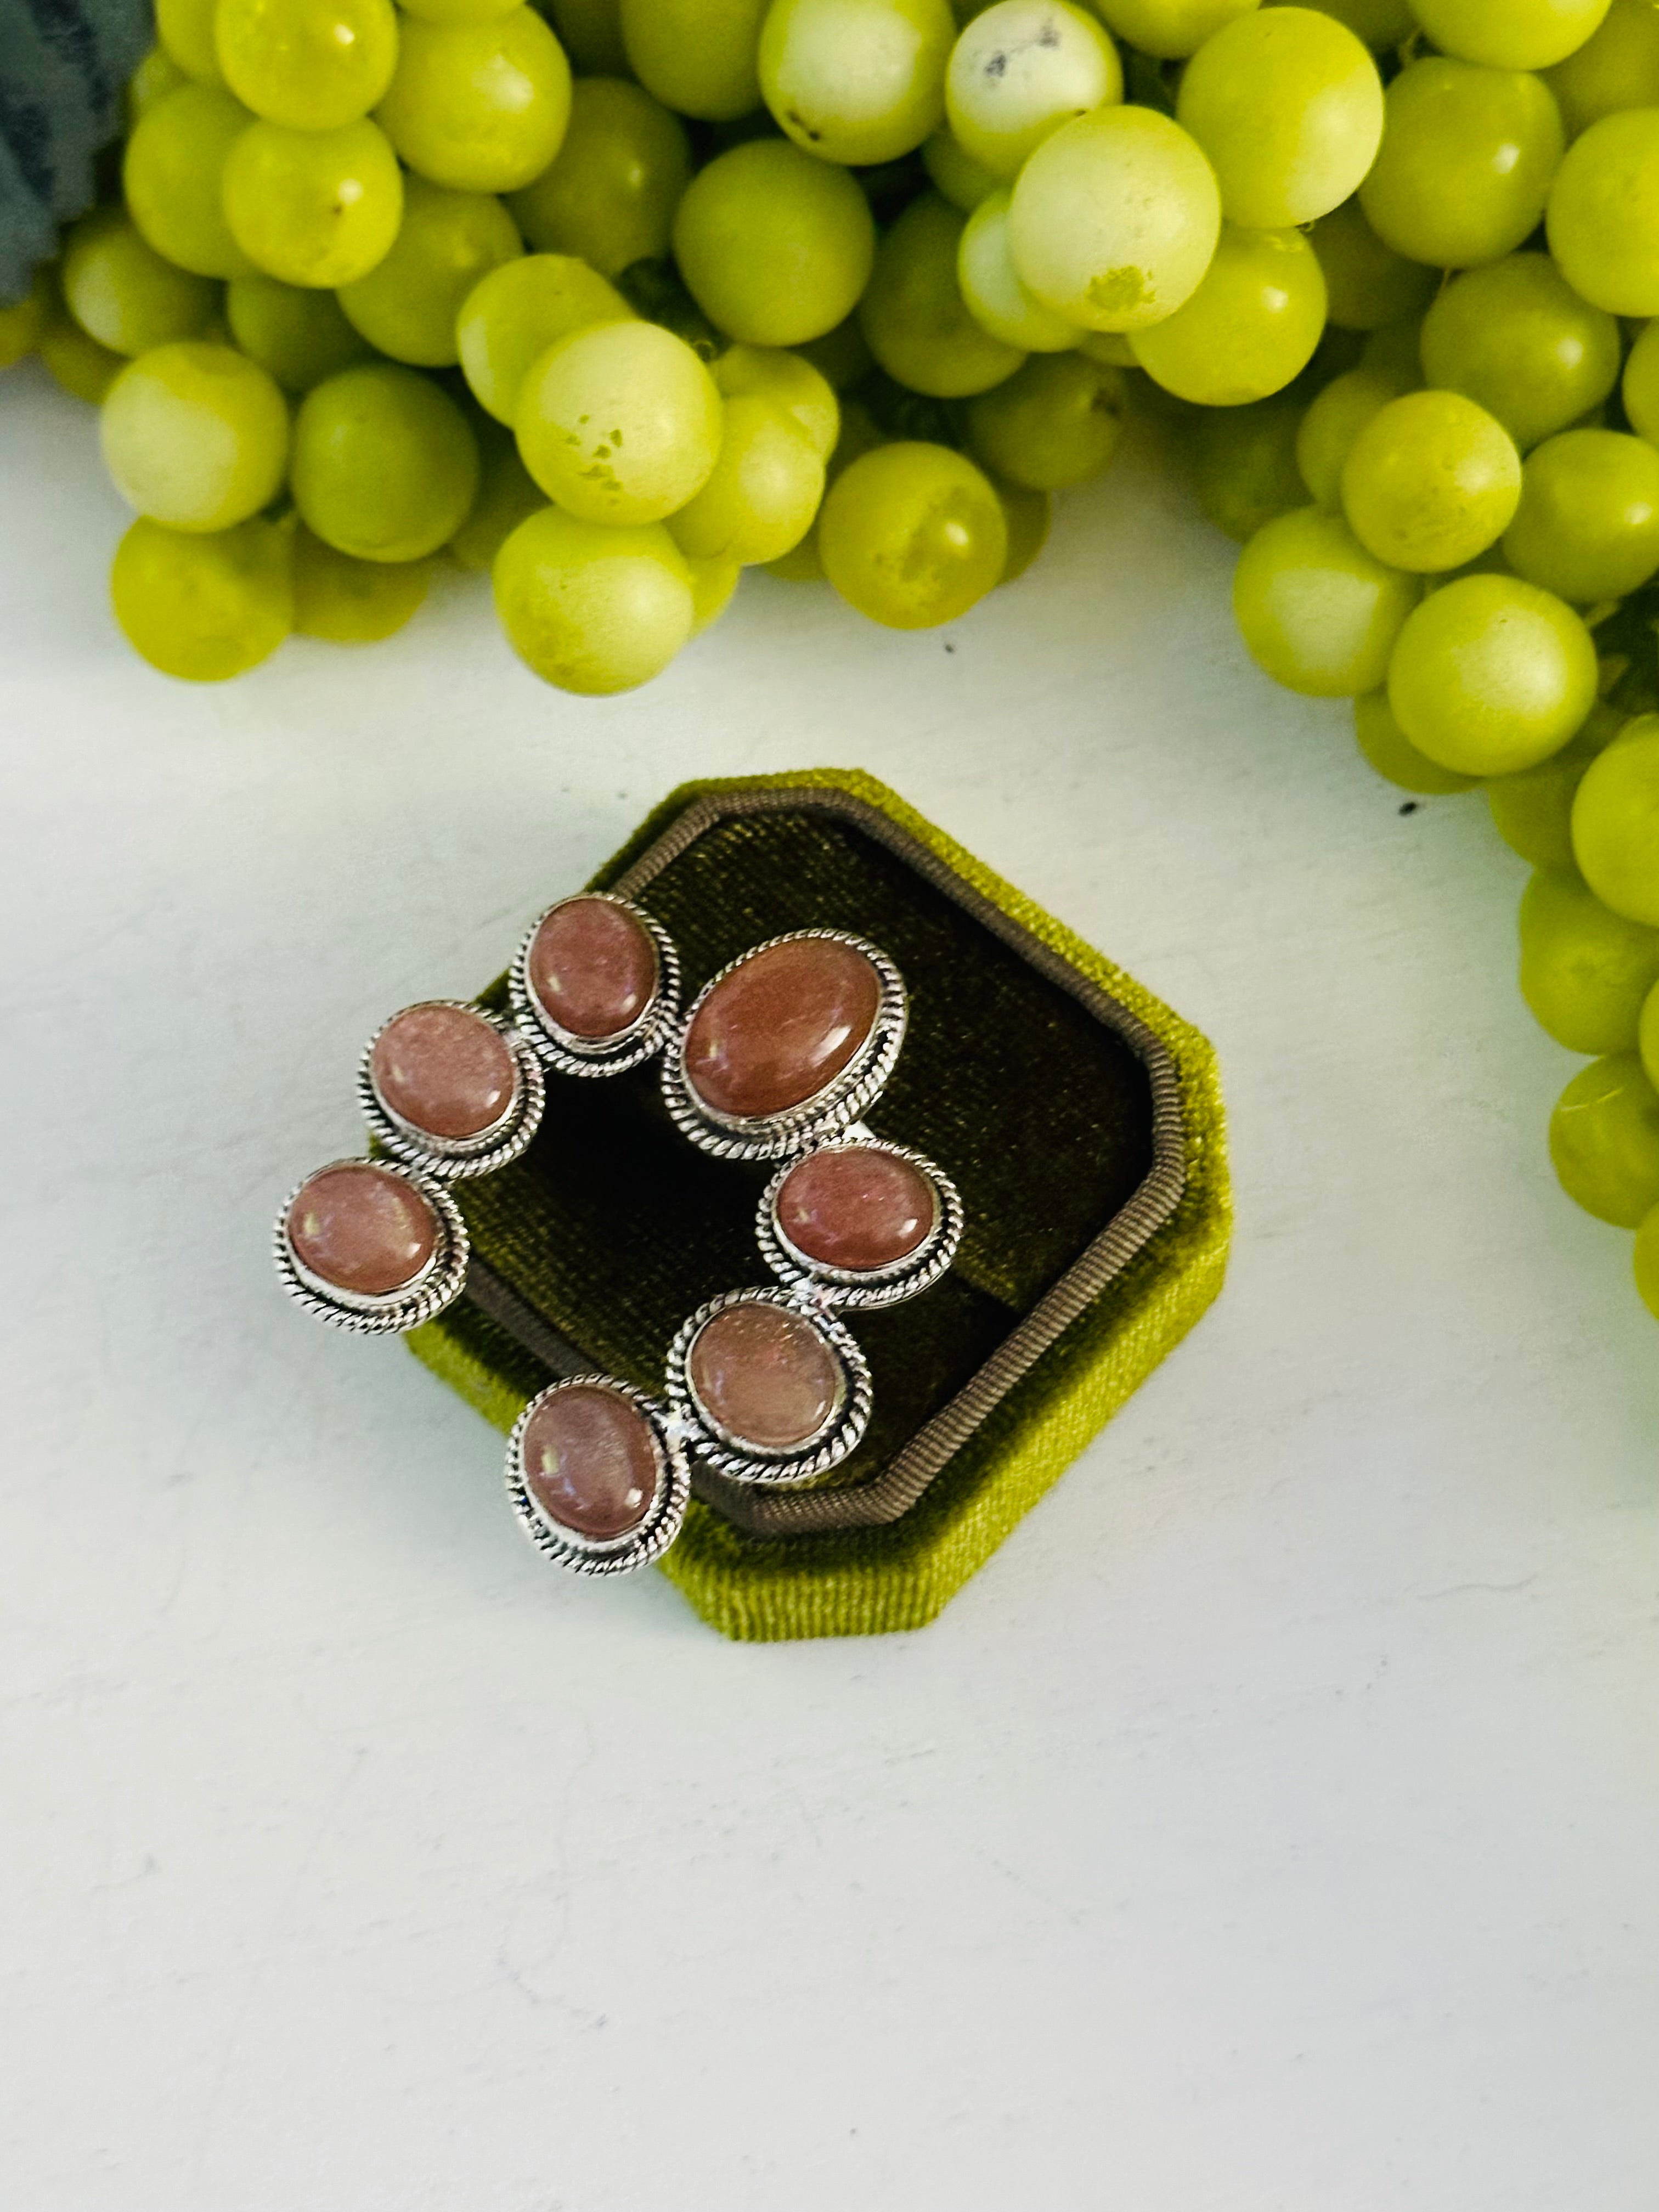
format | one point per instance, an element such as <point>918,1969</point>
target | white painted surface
<point>1273,1825</point>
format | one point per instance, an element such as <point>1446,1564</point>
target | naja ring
<point>597,1474</point>
<point>864,1221</point>
<point>450,1089</point>
<point>371,1246</point>
<point>595,986</point>
<point>769,1387</point>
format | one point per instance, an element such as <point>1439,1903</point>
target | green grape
<point>592,608</point>
<point>912,535</point>
<point>713,583</point>
<point>314,207</point>
<point>155,76</point>
<point>1115,218</point>
<point>856,81</point>
<point>352,602</point>
<point>1640,388</point>
<point>1491,674</point>
<point>590,31</point>
<point>481,108</point>
<point>1251,325</point>
<point>620,422</point>
<point>1171,29</point>
<point>1017,72</point>
<point>1288,105</point>
<point>1604,1140</point>
<point>1331,423</point>
<point>184,30</point>
<point>23,322</point>
<point>1466,162</point>
<point>1243,464</point>
<point>1111,349</point>
<point>204,607</point>
<point>775,246</point>
<point>839,356</point>
<point>1532,811</point>
<point>299,335</point>
<point>611,190</point>
<point>1385,745</point>
<point>506,494</point>
<point>172,175</point>
<point>1646,1260</point>
<point>1379,22</point>
<point>913,315</point>
<point>511,317</point>
<point>121,293</point>
<point>1604,216</point>
<point>1317,611</point>
<point>408,303</point>
<point>312,64</point>
<point>1584,972</point>
<point>1616,822</point>
<point>1617,68</point>
<point>857,436</point>
<point>83,367</point>
<point>385,464</point>
<point>1367,283</point>
<point>1520,34</point>
<point>1517,339</point>
<point>764,494</point>
<point>992,291</point>
<point>1587,525</point>
<point>697,57</point>
<point>1431,481</point>
<point>195,435</point>
<point>956,175</point>
<point>1056,422</point>
<point>770,373</point>
<point>1026,515</point>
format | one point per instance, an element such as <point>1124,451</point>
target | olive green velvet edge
<point>872,1581</point>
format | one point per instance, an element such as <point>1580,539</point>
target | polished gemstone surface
<point>445,1070</point>
<point>362,1229</point>
<point>855,1207</point>
<point>593,967</point>
<point>591,1462</point>
<point>781,1027</point>
<point>765,1375</point>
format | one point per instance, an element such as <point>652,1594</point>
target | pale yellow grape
<point>1333,420</point>
<point>620,422</point>
<point>320,208</point>
<point>82,367</point>
<point>1646,1260</point>
<point>1317,611</point>
<point>1585,972</point>
<point>856,81</point>
<point>992,291</point>
<point>1491,674</point>
<point>1385,747</point>
<point>155,76</point>
<point>611,192</point>
<point>1604,1140</point>
<point>773,373</point>
<point>1027,514</point>
<point>1514,34</point>
<point>122,292</point>
<point>775,248</point>
<point>1532,811</point>
<point>1640,387</point>
<point>1249,329</point>
<point>963,181</point>
<point>300,336</point>
<point>1431,481</point>
<point>1021,70</point>
<point>506,494</point>
<point>204,607</point>
<point>1587,525</point>
<point>185,28</point>
<point>385,464</point>
<point>1619,67</point>
<point>23,322</point>
<point>1466,163</point>
<point>1243,461</point>
<point>713,583</point>
<point>352,602</point>
<point>763,493</point>
<point>481,108</point>
<point>1115,219</point>
<point>1616,822</point>
<point>912,535</point>
<point>591,608</point>
<point>1288,105</point>
<point>408,304</point>
<point>312,64</point>
<point>173,173</point>
<point>1603,214</point>
<point>195,435</point>
<point>697,57</point>
<point>913,314</point>
<point>1171,29</point>
<point>1518,339</point>
<point>590,31</point>
<point>511,317</point>
<point>1367,284</point>
<point>1057,422</point>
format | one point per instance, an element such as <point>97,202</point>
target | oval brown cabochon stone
<point>445,1070</point>
<point>592,1461</point>
<point>781,1027</point>
<point>856,1207</point>
<point>765,1375</point>
<point>361,1228</point>
<point>593,967</point>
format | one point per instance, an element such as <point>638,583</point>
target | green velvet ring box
<point>1081,1120</point>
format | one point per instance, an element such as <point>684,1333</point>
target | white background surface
<point>1272,1826</point>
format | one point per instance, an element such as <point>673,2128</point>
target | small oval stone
<point>593,968</point>
<point>592,1461</point>
<point>446,1071</point>
<point>765,1375</point>
<point>856,1208</point>
<point>362,1229</point>
<point>781,1027</point>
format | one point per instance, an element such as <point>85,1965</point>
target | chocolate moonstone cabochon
<point>856,1207</point>
<point>781,1027</point>
<point>593,967</point>
<point>764,1374</point>
<point>362,1229</point>
<point>446,1071</point>
<point>591,1462</point>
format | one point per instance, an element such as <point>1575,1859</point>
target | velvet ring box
<point>1081,1120</point>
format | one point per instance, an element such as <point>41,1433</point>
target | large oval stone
<point>592,1461</point>
<point>446,1071</point>
<point>362,1229</point>
<point>781,1027</point>
<point>856,1208</point>
<point>766,1376</point>
<point>593,968</point>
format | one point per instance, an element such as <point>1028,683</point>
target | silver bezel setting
<point>841,1435</point>
<point>864,1287</point>
<point>563,1048</point>
<point>446,1158</point>
<point>842,1102</point>
<point>613,1555</point>
<point>438,1285</point>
